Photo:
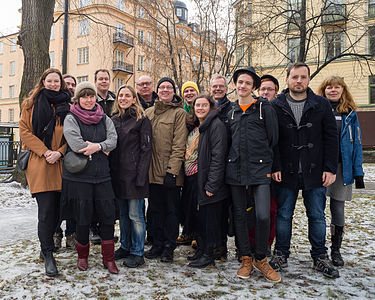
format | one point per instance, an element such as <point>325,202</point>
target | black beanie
<point>170,80</point>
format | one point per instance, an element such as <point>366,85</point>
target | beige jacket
<point>169,132</point>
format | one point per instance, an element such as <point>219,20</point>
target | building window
<point>121,4</point>
<point>293,49</point>
<point>149,38</point>
<point>11,91</point>
<point>148,65</point>
<point>0,115</point>
<point>11,114</point>
<point>195,42</point>
<point>178,12</point>
<point>371,8</point>
<point>83,55</point>
<point>1,92</point>
<point>249,14</point>
<point>83,27</point>
<point>51,59</point>
<point>118,83</point>
<point>334,44</point>
<point>83,3</point>
<point>371,40</point>
<point>119,56</point>
<point>1,47</point>
<point>12,68</point>
<point>62,30</point>
<point>82,79</point>
<point>52,36</point>
<point>141,12</point>
<point>13,43</point>
<point>1,70</point>
<point>141,36</point>
<point>372,89</point>
<point>240,55</point>
<point>120,29</point>
<point>140,63</point>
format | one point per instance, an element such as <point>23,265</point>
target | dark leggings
<point>337,212</point>
<point>48,215</point>
<point>82,232</point>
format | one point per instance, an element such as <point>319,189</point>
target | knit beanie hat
<point>81,86</point>
<point>164,79</point>
<point>189,84</point>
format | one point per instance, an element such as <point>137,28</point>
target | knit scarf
<point>49,107</point>
<point>88,117</point>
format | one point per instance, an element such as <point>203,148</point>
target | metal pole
<point>65,37</point>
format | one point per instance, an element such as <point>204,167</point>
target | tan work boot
<point>246,267</point>
<point>71,241</point>
<point>266,269</point>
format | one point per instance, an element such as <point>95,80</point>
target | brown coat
<point>169,134</point>
<point>41,176</point>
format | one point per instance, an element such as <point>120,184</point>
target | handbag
<point>23,159</point>
<point>75,162</point>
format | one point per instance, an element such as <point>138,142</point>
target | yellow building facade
<point>270,35</point>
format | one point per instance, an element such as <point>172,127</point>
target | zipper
<point>359,135</point>
<point>350,134</point>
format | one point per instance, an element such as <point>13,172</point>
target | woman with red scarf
<point>88,194</point>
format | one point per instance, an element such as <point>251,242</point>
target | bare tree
<point>34,39</point>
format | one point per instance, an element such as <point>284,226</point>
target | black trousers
<point>163,212</point>
<point>262,209</point>
<point>209,226</point>
<point>48,217</point>
<point>106,232</point>
<point>188,207</point>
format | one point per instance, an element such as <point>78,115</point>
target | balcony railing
<point>334,13</point>
<point>120,37</point>
<point>123,67</point>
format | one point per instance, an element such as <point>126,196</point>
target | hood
<point>161,106</point>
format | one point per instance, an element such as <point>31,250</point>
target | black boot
<point>203,261</point>
<point>50,264</point>
<point>196,255</point>
<point>337,233</point>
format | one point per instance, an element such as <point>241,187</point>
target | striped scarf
<point>191,154</point>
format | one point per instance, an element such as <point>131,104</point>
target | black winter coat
<point>211,160</point>
<point>314,142</point>
<point>130,160</point>
<point>254,133</point>
<point>224,108</point>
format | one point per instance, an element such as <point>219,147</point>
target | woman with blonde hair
<point>350,157</point>
<point>129,163</point>
<point>41,132</point>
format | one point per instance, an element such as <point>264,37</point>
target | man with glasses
<point>145,91</point>
<point>269,87</point>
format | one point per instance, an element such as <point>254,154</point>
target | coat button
<point>260,160</point>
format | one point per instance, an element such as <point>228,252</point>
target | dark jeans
<point>163,210</point>
<point>209,229</point>
<point>106,233</point>
<point>315,202</point>
<point>70,227</point>
<point>262,209</point>
<point>48,216</point>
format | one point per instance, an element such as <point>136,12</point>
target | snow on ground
<point>22,273</point>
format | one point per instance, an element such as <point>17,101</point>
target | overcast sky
<point>9,16</point>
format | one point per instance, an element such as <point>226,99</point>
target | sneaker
<point>184,239</point>
<point>278,261</point>
<point>264,267</point>
<point>133,261</point>
<point>167,255</point>
<point>71,241</point>
<point>324,265</point>
<point>246,267</point>
<point>121,253</point>
<point>154,252</point>
<point>57,238</point>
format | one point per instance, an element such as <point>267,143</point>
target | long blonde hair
<point>137,110</point>
<point>346,101</point>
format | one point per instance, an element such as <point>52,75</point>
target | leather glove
<point>170,180</point>
<point>359,184</point>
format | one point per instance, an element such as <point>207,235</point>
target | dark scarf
<point>88,117</point>
<point>49,107</point>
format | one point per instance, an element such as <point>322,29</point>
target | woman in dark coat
<point>212,191</point>
<point>130,162</point>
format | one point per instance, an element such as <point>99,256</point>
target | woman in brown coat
<point>41,131</point>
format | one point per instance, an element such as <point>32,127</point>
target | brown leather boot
<point>246,267</point>
<point>108,255</point>
<point>83,254</point>
<point>266,269</point>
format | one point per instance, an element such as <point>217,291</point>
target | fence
<point>8,153</point>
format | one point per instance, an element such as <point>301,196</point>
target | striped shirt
<point>191,154</point>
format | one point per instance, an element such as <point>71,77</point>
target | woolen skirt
<point>87,202</point>
<point>338,190</point>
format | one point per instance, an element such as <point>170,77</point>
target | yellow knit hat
<point>189,84</point>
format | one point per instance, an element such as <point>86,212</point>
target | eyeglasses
<point>267,89</point>
<point>168,88</point>
<point>144,83</point>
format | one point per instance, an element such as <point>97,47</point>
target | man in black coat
<point>305,159</point>
<point>105,98</point>
<point>145,91</point>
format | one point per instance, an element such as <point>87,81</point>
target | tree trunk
<point>34,38</point>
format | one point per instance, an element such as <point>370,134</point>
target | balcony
<point>122,66</point>
<point>120,37</point>
<point>334,13</point>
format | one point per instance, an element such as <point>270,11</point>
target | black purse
<point>23,159</point>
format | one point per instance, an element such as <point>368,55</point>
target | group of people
<point>204,163</point>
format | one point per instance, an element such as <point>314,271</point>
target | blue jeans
<point>132,225</point>
<point>315,203</point>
